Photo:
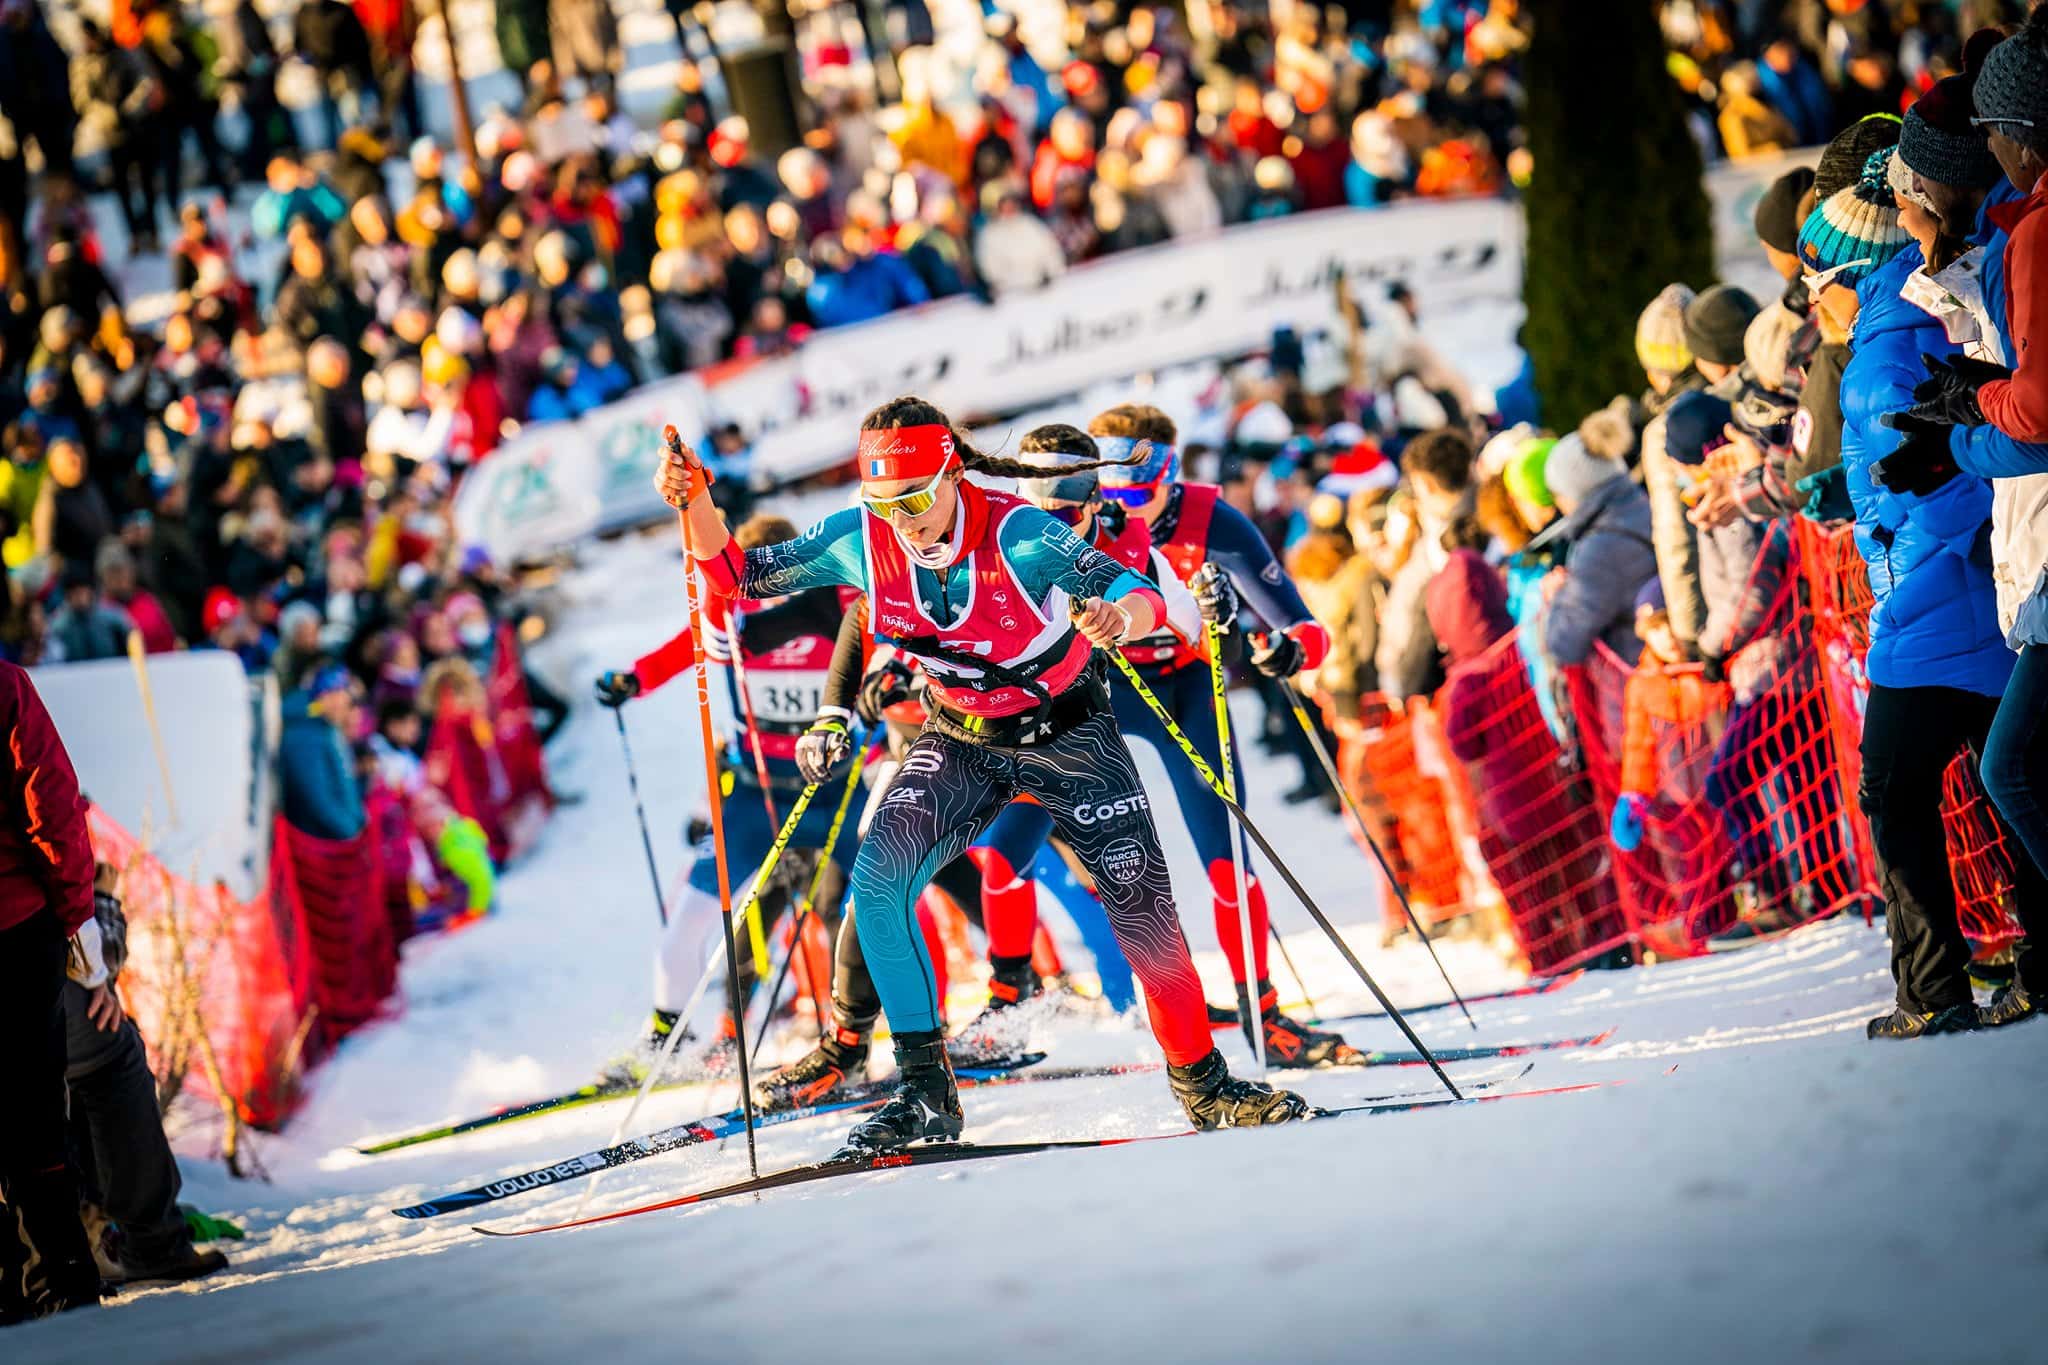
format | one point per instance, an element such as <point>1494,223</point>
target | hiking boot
<point>828,1070</point>
<point>926,1103</point>
<point>1905,1023</point>
<point>1212,1098</point>
<point>1291,1044</point>
<point>2011,1005</point>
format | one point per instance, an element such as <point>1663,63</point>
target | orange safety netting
<point>1538,828</point>
<point>202,962</point>
<point>1749,790</point>
<point>1980,861</point>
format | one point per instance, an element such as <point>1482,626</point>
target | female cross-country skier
<point>1002,606</point>
<point>784,646</point>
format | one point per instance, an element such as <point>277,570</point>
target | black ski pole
<point>639,810</point>
<point>1301,894</point>
<point>1315,740</point>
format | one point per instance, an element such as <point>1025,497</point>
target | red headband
<point>905,452</point>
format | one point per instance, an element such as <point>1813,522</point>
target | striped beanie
<point>1660,332</point>
<point>1855,230</point>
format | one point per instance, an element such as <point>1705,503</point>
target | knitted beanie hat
<point>1693,425</point>
<point>1572,472</point>
<point>1715,322</point>
<point>1841,164</point>
<point>2013,86</point>
<point>1856,230</point>
<point>1660,331</point>
<point>1767,344</point>
<point>1939,144</point>
<point>1524,474</point>
<point>1777,210</point>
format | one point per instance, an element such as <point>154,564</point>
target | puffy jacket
<point>1935,620</point>
<point>319,774</point>
<point>45,854</point>
<point>1609,561</point>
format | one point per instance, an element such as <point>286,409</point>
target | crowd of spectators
<point>1887,392</point>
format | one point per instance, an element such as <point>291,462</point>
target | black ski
<point>697,1132</point>
<point>945,1153</point>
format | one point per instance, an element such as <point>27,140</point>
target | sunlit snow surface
<point>1754,1181</point>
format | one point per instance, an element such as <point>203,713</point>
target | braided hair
<point>910,411</point>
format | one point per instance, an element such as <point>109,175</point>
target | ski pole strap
<point>1158,709</point>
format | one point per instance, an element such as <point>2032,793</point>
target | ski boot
<point>2012,1004</point>
<point>1213,1098</point>
<point>1290,1044</point>
<point>926,1103</point>
<point>998,1032</point>
<point>1905,1023</point>
<point>835,1066</point>
<point>630,1069</point>
<point>1221,1020</point>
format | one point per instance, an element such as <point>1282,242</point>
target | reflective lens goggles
<point>1076,488</point>
<point>1129,497</point>
<point>915,503</point>
<point>1070,513</point>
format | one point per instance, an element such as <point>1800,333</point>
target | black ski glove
<point>1922,463</point>
<point>882,689</point>
<point>1214,595</point>
<point>823,750</point>
<point>617,686</point>
<point>1281,656</point>
<point>1713,668</point>
<point>1949,393</point>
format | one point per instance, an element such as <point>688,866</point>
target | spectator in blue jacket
<point>320,794</point>
<point>1937,663</point>
<point>1788,83</point>
<point>848,287</point>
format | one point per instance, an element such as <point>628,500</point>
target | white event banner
<point>1216,296</point>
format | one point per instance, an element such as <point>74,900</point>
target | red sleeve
<point>723,572</point>
<point>47,790</point>
<point>658,667</point>
<point>2019,406</point>
<point>1150,597</point>
<point>1314,640</point>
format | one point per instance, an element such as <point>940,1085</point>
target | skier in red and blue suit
<point>774,686</point>
<point>1003,608</point>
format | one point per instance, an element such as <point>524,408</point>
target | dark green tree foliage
<point>1616,210</point>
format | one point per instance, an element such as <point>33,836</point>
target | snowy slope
<point>1761,1183</point>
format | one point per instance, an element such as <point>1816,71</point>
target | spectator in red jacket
<point>1068,145</point>
<point>119,588</point>
<point>45,919</point>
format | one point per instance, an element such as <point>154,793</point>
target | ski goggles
<point>1067,488</point>
<point>1139,467</point>
<point>1068,513</point>
<point>914,503</point>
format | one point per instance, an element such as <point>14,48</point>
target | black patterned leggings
<point>948,791</point>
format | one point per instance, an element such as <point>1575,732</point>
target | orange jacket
<point>1657,701</point>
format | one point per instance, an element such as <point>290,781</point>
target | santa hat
<point>1358,469</point>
